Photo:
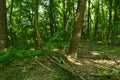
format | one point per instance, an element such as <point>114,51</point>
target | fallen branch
<point>42,64</point>
<point>65,67</point>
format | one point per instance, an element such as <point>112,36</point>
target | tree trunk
<point>3,25</point>
<point>110,23</point>
<point>36,25</point>
<point>20,20</point>
<point>11,23</point>
<point>64,19</point>
<point>20,13</point>
<point>51,18</point>
<point>77,29</point>
<point>88,27</point>
<point>116,19</point>
<point>96,20</point>
<point>103,22</point>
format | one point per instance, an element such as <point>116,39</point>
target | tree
<point>89,26</point>
<point>51,17</point>
<point>11,23</point>
<point>36,25</point>
<point>116,19</point>
<point>96,20</point>
<point>110,23</point>
<point>56,18</point>
<point>77,29</point>
<point>64,19</point>
<point>3,25</point>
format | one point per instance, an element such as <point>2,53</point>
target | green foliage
<point>9,55</point>
<point>106,74</point>
<point>61,75</point>
<point>11,74</point>
<point>57,37</point>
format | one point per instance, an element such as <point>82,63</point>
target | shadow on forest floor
<point>95,62</point>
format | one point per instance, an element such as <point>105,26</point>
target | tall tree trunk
<point>96,20</point>
<point>110,22</point>
<point>88,27</point>
<point>51,18</point>
<point>36,25</point>
<point>64,19</point>
<point>11,23</point>
<point>20,20</point>
<point>3,25</point>
<point>20,13</point>
<point>77,29</point>
<point>116,19</point>
<point>103,21</point>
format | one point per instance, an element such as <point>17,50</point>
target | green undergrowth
<point>14,61</point>
<point>12,73</point>
<point>61,75</point>
<point>50,45</point>
<point>9,55</point>
<point>100,46</point>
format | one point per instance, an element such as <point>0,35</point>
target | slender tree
<point>51,17</point>
<point>36,25</point>
<point>20,12</point>
<point>110,23</point>
<point>96,20</point>
<point>3,25</point>
<point>77,29</point>
<point>11,23</point>
<point>88,27</point>
<point>64,19</point>
<point>116,19</point>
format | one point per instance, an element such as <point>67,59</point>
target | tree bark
<point>64,19</point>
<point>36,25</point>
<point>108,39</point>
<point>96,20</point>
<point>116,20</point>
<point>77,29</point>
<point>3,25</point>
<point>88,27</point>
<point>51,18</point>
<point>11,23</point>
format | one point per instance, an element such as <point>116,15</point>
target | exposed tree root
<point>64,66</point>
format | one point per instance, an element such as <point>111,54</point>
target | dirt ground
<point>91,64</point>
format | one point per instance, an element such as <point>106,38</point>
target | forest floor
<point>95,61</point>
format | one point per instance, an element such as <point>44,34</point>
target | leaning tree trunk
<point>77,29</point>
<point>3,25</point>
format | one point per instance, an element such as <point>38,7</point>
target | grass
<point>61,75</point>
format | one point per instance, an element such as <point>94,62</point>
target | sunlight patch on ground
<point>109,62</point>
<point>95,53</point>
<point>32,49</point>
<point>55,49</point>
